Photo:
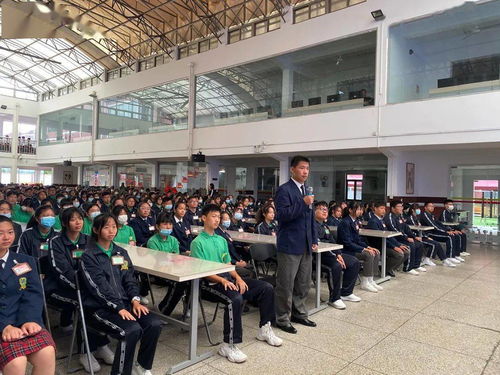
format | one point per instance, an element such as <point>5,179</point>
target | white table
<point>179,268</point>
<point>420,228</point>
<point>249,220</point>
<point>384,235</point>
<point>262,238</point>
<point>448,224</point>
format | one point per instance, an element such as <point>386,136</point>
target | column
<point>113,178</point>
<point>15,143</point>
<point>286,89</point>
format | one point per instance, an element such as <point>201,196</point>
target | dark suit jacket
<point>348,235</point>
<point>376,224</point>
<point>296,232</point>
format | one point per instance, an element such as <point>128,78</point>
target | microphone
<point>310,191</point>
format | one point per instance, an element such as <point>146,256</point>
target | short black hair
<point>88,206</point>
<point>106,192</point>
<point>320,204</point>
<point>11,192</point>
<point>380,203</point>
<point>427,203</point>
<point>297,159</point>
<point>446,201</point>
<point>117,209</point>
<point>210,208</point>
<point>66,216</point>
<point>394,203</point>
<point>99,223</point>
<point>164,218</point>
<point>5,202</point>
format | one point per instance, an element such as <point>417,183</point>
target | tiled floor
<point>446,321</point>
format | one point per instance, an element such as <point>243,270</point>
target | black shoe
<point>304,321</point>
<point>391,273</point>
<point>287,328</point>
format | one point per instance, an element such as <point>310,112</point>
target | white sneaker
<point>369,288</point>
<point>413,272</point>
<point>376,286</point>
<point>454,261</point>
<point>460,259</point>
<point>139,370</point>
<point>421,269</point>
<point>266,333</point>
<point>448,263</point>
<point>232,353</point>
<point>351,298</point>
<point>338,304</point>
<point>106,354</point>
<point>93,362</point>
<point>464,254</point>
<point>144,301</point>
<point>429,262</point>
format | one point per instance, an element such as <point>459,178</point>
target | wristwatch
<point>136,298</point>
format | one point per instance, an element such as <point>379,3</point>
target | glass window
<point>330,77</point>
<point>455,52</point>
<point>139,175</point>
<point>97,175</point>
<point>183,176</point>
<point>46,176</point>
<point>5,177</point>
<point>241,179</point>
<point>25,176</point>
<point>152,110</point>
<point>67,125</point>
<point>234,36</point>
<point>27,138</point>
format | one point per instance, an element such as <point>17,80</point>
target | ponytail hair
<point>352,205</point>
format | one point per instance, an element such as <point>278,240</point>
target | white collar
<point>177,220</point>
<point>299,185</point>
<point>5,257</point>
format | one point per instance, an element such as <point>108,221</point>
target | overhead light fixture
<point>378,15</point>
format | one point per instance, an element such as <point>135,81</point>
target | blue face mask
<point>417,211</point>
<point>238,216</point>
<point>168,206</point>
<point>9,215</point>
<point>93,215</point>
<point>48,221</point>
<point>226,223</point>
<point>91,199</point>
<point>228,201</point>
<point>165,232</point>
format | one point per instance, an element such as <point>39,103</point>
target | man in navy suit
<point>296,239</point>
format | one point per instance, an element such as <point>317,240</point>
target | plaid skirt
<point>24,347</point>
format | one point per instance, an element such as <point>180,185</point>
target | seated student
<point>35,239</point>
<point>106,201</point>
<point>348,235</point>
<point>449,215</point>
<point>442,233</point>
<point>265,218</point>
<point>168,205</point>
<point>397,253</point>
<point>6,210</point>
<point>131,209</point>
<point>117,201</point>
<point>164,241</point>
<point>193,212</point>
<point>334,216</point>
<point>247,208</point>
<point>237,223</point>
<point>143,224</point>
<point>23,338</point>
<point>21,214</point>
<point>431,248</point>
<point>237,250</point>
<point>230,289</point>
<point>60,285</point>
<point>395,222</point>
<point>91,211</point>
<point>335,263</point>
<point>182,228</point>
<point>368,211</point>
<point>125,233</point>
<point>157,206</point>
<point>111,299</point>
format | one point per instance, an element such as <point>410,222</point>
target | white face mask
<point>450,207</point>
<point>122,219</point>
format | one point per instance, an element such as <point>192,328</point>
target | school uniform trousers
<point>396,223</point>
<point>259,293</point>
<point>432,248</point>
<point>439,233</point>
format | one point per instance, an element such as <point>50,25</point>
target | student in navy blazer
<point>348,235</point>
<point>143,224</point>
<point>296,238</point>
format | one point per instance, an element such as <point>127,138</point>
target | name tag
<point>76,254</point>
<point>240,230</point>
<point>117,260</point>
<point>274,233</point>
<point>133,215</point>
<point>151,228</point>
<point>195,217</point>
<point>357,227</point>
<point>44,246</point>
<point>327,231</point>
<point>400,221</point>
<point>21,269</point>
<point>188,232</point>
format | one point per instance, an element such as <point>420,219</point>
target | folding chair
<point>263,254</point>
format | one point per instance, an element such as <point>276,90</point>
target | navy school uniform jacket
<point>447,216</point>
<point>429,220</point>
<point>378,224</point>
<point>60,273</point>
<point>21,298</point>
<point>193,218</point>
<point>104,285</point>
<point>296,232</point>
<point>348,235</point>
<point>182,231</point>
<point>264,228</point>
<point>32,243</point>
<point>326,235</point>
<point>131,213</point>
<point>144,229</point>
<point>333,221</point>
<point>235,257</point>
<point>18,230</point>
<point>397,223</point>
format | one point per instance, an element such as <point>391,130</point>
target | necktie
<point>303,189</point>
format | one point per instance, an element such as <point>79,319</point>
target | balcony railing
<point>5,144</point>
<point>26,146</point>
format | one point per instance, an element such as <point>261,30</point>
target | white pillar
<point>287,89</point>
<point>113,178</point>
<point>15,143</point>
